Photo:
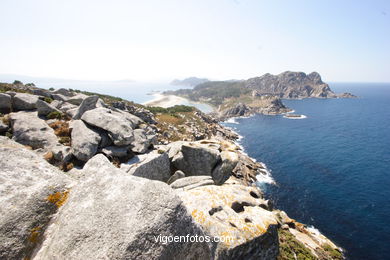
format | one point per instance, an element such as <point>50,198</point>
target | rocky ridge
<point>93,179</point>
<point>260,94</point>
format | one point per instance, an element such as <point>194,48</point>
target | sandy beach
<point>165,101</point>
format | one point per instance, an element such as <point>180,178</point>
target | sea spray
<point>265,176</point>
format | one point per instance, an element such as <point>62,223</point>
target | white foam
<point>314,230</point>
<point>265,177</point>
<point>300,117</point>
<point>231,120</point>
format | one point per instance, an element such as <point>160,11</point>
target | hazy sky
<point>161,40</point>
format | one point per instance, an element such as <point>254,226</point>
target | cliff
<point>260,94</point>
<point>87,176</point>
<point>291,85</point>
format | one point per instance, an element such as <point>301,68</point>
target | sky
<point>162,40</point>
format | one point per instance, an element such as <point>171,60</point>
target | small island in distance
<point>256,95</point>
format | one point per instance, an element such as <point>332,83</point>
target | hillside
<point>189,82</point>
<point>260,94</point>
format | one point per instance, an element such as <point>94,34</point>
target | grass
<point>333,253</point>
<point>55,115</point>
<point>291,248</point>
<point>171,110</point>
<point>62,131</point>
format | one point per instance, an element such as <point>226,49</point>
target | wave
<point>265,177</point>
<point>300,117</point>
<point>231,120</point>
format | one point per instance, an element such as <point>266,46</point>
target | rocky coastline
<point>259,95</point>
<point>87,176</point>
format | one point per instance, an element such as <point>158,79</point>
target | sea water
<point>331,168</point>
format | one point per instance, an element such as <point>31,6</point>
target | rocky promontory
<point>260,94</point>
<point>89,176</point>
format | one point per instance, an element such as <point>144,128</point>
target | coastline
<point>265,177</point>
<point>165,101</point>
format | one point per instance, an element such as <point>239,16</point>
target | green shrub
<point>51,89</point>
<point>54,115</point>
<point>17,82</point>
<point>171,110</point>
<point>48,100</point>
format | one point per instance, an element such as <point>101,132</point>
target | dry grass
<point>62,131</point>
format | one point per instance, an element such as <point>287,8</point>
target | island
<point>189,82</point>
<point>258,95</point>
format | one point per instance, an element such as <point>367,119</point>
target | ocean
<point>332,168</point>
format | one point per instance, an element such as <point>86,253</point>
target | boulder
<point>154,166</point>
<point>71,112</point>
<point>45,108</point>
<point>196,159</point>
<point>65,107</point>
<point>5,103</point>
<point>64,92</point>
<point>31,191</point>
<point>77,99</point>
<point>85,140</point>
<point>106,140</point>
<point>62,153</point>
<point>192,182</point>
<point>111,215</point>
<point>59,97</point>
<point>3,127</point>
<point>177,175</point>
<point>118,126</point>
<point>141,141</point>
<point>88,103</point>
<point>23,101</point>
<point>136,121</point>
<point>56,103</point>
<point>223,170</point>
<point>41,92</point>
<point>29,129</point>
<point>237,215</point>
<point>116,151</point>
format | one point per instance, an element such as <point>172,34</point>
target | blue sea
<point>332,169</point>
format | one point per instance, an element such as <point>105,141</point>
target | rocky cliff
<point>85,176</point>
<point>291,85</point>
<point>260,94</point>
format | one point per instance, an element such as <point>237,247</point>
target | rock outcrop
<point>30,130</point>
<point>111,215</point>
<point>153,166</point>
<point>44,108</point>
<point>196,159</point>
<point>120,128</point>
<point>31,191</point>
<point>87,104</point>
<point>291,84</point>
<point>23,101</point>
<point>243,223</point>
<point>85,140</point>
<point>5,103</point>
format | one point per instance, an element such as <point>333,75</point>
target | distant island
<point>260,94</point>
<point>189,82</point>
